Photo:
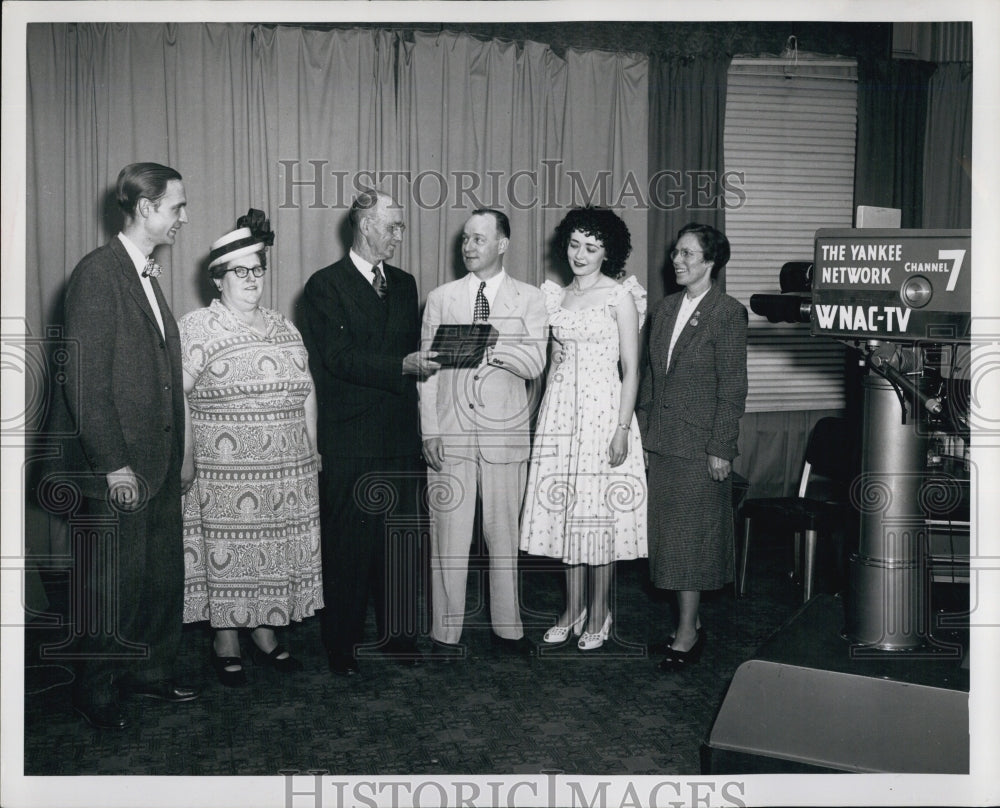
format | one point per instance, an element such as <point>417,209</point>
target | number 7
<point>958,256</point>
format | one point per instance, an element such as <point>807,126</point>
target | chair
<point>819,508</point>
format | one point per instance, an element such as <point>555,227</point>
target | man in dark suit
<point>361,326</point>
<point>125,408</point>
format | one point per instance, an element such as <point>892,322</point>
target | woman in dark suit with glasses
<point>251,519</point>
<point>691,397</point>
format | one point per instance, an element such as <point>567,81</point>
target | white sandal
<point>561,633</point>
<point>590,640</point>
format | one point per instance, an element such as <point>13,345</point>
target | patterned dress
<point>578,508</point>
<point>251,519</point>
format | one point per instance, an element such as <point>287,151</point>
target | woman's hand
<point>718,469</point>
<point>618,450</point>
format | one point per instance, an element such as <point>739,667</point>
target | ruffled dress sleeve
<point>553,296</point>
<point>631,286</point>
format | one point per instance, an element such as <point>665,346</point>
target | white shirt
<point>139,260</point>
<point>688,307</point>
<point>365,268</point>
<point>491,290</point>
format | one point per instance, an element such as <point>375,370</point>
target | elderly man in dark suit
<point>360,323</point>
<point>126,411</point>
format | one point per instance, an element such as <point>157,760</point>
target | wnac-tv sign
<point>895,285</point>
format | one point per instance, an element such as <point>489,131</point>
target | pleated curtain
<point>292,120</point>
<point>687,102</point>
<point>947,193</point>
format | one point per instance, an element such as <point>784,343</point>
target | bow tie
<point>152,269</point>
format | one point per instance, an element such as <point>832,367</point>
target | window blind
<point>790,134</point>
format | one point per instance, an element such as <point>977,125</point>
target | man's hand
<point>434,453</point>
<point>718,469</point>
<point>558,351</point>
<point>187,472</point>
<point>420,364</point>
<point>124,488</point>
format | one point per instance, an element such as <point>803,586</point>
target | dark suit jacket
<point>123,399</point>
<point>693,408</point>
<point>356,344</point>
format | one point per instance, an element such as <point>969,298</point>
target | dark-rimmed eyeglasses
<point>241,272</point>
<point>687,255</point>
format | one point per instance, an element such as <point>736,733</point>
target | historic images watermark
<point>549,186</point>
<point>314,789</point>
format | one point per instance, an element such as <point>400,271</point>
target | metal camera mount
<point>902,299</point>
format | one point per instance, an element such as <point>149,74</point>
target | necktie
<point>378,284</point>
<point>152,269</point>
<point>481,311</point>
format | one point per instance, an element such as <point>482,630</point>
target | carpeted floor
<point>602,712</point>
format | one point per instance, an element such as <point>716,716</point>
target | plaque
<point>463,345</point>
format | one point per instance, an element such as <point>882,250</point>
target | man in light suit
<point>361,326</point>
<point>125,408</point>
<point>475,423</point>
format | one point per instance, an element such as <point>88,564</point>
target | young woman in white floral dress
<point>586,493</point>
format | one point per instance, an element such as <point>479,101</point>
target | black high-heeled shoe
<point>677,660</point>
<point>663,646</point>
<point>273,659</point>
<point>228,678</point>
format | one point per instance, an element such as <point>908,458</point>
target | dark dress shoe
<point>273,659</point>
<point>520,647</point>
<point>678,660</point>
<point>343,664</point>
<point>101,716</point>
<point>164,690</point>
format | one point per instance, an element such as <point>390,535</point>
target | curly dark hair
<point>604,225</point>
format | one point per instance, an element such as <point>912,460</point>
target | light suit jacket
<point>692,408</point>
<point>486,411</point>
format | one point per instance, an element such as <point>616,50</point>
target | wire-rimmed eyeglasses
<point>686,254</point>
<point>241,272</point>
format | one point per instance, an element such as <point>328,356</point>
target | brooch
<point>694,318</point>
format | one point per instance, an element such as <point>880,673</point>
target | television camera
<point>902,299</point>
